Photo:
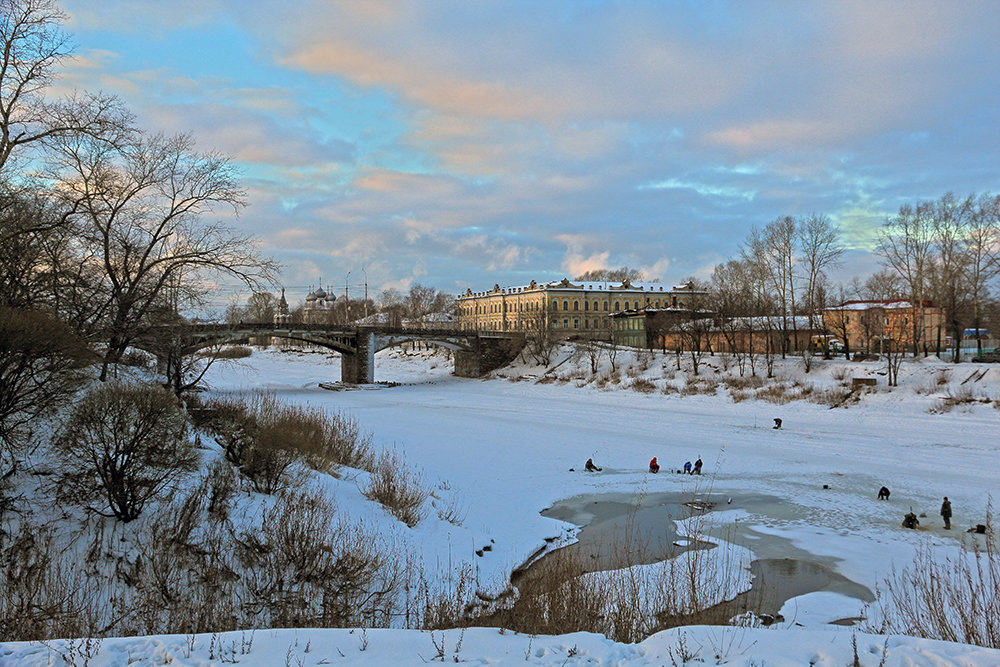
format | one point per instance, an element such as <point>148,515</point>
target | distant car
<point>988,358</point>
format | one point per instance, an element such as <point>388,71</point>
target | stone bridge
<point>475,353</point>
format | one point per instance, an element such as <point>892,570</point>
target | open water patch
<point>643,529</point>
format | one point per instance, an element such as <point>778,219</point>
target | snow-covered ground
<point>498,451</point>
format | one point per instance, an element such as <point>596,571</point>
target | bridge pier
<point>487,354</point>
<point>359,367</point>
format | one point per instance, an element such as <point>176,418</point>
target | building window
<point>555,304</point>
<point>617,306</point>
<point>605,305</point>
<point>576,305</point>
<point>565,323</point>
<point>576,322</point>
<point>586,305</point>
<point>565,304</point>
<point>636,304</point>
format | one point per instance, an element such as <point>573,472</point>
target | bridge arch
<point>474,354</point>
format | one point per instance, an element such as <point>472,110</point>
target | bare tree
<point>695,329</point>
<point>820,249</point>
<point>540,340</point>
<point>982,247</point>
<point>34,46</point>
<point>613,275</point>
<point>905,244</point>
<point>948,265</point>
<point>594,351</point>
<point>423,300</point>
<point>837,320</point>
<point>391,304</point>
<point>140,211</point>
<point>260,307</point>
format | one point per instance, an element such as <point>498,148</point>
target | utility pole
<point>347,299</point>
<point>366,291</point>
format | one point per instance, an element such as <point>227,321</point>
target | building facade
<point>564,308</point>
<point>886,325</point>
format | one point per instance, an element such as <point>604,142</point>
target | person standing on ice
<point>946,513</point>
<point>697,466</point>
<point>654,467</point>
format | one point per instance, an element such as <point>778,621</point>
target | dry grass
<point>643,385</point>
<point>745,382</point>
<point>264,437</point>
<point>954,598</point>
<point>699,387</point>
<point>293,563</point>
<point>835,397</point>
<point>963,395</point>
<point>627,603</point>
<point>398,489</point>
<point>229,352</point>
<point>776,393</point>
<point>739,396</point>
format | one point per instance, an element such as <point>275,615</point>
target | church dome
<point>320,293</point>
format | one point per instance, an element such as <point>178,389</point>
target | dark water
<point>617,528</point>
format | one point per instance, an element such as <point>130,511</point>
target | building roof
<point>585,285</point>
<point>879,303</point>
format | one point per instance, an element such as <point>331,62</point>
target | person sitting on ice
<point>654,466</point>
<point>687,468</point>
<point>590,467</point>
<point>697,466</point>
<point>777,423</point>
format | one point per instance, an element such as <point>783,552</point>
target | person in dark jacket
<point>590,467</point>
<point>946,513</point>
<point>697,466</point>
<point>654,466</point>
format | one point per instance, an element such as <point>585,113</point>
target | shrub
<point>41,362</point>
<point>123,443</point>
<point>397,489</point>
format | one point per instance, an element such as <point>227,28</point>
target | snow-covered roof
<point>878,303</point>
<point>372,320</point>
<point>587,285</point>
<point>432,318</point>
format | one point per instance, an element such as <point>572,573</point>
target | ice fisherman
<point>687,467</point>
<point>653,465</point>
<point>590,467</point>
<point>697,466</point>
<point>946,513</point>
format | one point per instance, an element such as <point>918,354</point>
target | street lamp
<point>347,299</point>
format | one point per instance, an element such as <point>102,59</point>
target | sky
<point>460,144</point>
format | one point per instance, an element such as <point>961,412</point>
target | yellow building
<point>565,308</point>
